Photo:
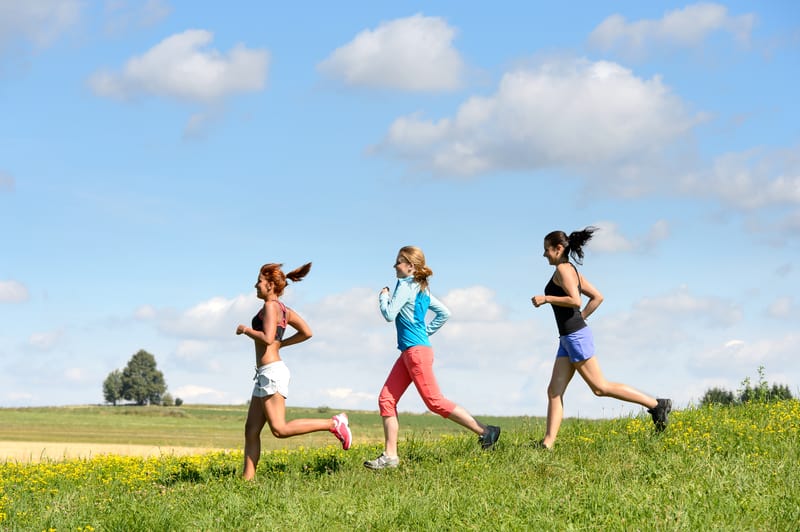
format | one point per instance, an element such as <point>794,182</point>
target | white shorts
<point>272,378</point>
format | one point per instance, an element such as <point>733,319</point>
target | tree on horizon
<point>140,381</point>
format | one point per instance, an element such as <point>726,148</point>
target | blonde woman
<point>407,306</point>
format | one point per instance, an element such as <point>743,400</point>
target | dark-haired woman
<point>576,343</point>
<point>268,403</point>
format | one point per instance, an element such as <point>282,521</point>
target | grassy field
<point>204,426</point>
<point>719,468</point>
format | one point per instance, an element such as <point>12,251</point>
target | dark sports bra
<point>258,322</point>
<point>568,319</point>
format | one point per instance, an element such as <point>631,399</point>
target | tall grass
<point>715,468</point>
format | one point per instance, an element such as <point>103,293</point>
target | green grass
<point>215,426</point>
<point>721,468</point>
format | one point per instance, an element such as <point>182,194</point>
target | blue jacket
<point>407,307</point>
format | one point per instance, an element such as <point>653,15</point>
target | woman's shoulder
<point>566,267</point>
<point>275,305</point>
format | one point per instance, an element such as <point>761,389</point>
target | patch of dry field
<point>27,451</point>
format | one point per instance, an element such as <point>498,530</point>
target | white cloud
<point>737,358</point>
<point>215,318</point>
<point>712,311</point>
<point>192,350</point>
<point>181,67</point>
<point>571,114</point>
<point>609,239</point>
<point>347,398</point>
<point>201,394</point>
<point>40,22</point>
<point>413,53</point>
<point>750,180</point>
<point>13,292</point>
<point>680,28</point>
<point>475,303</point>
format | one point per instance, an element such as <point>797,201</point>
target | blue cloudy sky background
<point>154,154</point>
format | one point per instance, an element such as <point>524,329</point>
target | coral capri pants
<point>415,364</point>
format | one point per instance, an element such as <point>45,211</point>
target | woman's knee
<point>387,406</point>
<point>279,431</point>
<point>555,389</point>
<point>440,406</point>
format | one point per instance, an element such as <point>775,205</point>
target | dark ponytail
<point>573,244</point>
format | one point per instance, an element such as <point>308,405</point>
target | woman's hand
<point>240,329</point>
<point>538,301</point>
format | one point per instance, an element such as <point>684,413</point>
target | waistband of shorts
<point>265,366</point>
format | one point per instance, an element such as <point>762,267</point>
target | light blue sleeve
<point>441,315</point>
<point>390,307</point>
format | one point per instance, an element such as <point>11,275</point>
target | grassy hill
<point>716,468</point>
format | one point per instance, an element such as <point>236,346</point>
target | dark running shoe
<point>661,413</point>
<point>489,437</point>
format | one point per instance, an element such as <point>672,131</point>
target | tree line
<point>140,381</point>
<point>761,392</point>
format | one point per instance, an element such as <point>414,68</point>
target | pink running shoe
<point>341,429</point>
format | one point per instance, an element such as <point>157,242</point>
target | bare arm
<point>303,331</point>
<point>594,295</point>
<point>267,336</point>
<point>567,278</point>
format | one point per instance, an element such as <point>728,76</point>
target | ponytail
<point>577,239</point>
<point>272,272</point>
<point>414,256</point>
<point>573,244</point>
<point>297,274</point>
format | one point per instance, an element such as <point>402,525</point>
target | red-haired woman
<point>268,404</point>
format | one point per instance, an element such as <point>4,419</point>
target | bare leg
<point>252,437</point>
<point>465,419</point>
<point>391,429</point>
<point>591,373</point>
<point>275,410</point>
<point>562,374</point>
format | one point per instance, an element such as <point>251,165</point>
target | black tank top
<point>258,322</point>
<point>568,319</point>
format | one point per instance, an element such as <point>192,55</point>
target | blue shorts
<point>578,346</point>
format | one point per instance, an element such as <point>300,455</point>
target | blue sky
<point>153,155</point>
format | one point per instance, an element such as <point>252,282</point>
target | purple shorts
<point>578,346</point>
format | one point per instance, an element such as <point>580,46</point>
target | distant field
<point>194,426</point>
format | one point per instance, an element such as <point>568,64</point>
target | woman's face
<point>402,268</point>
<point>263,288</point>
<point>553,253</point>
